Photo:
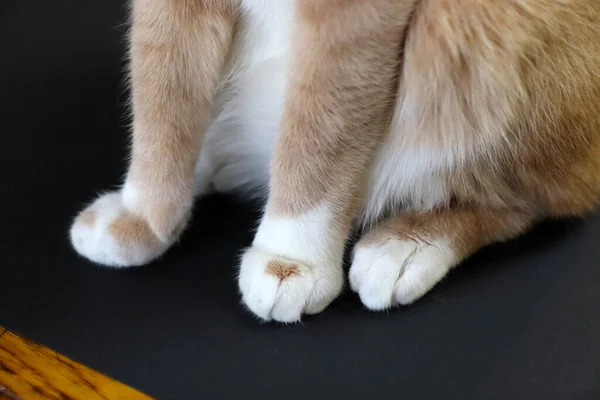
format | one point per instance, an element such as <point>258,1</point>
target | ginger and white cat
<point>439,126</point>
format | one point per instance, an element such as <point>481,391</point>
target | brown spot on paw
<point>87,217</point>
<point>130,230</point>
<point>282,270</point>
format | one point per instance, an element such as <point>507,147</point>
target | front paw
<point>398,271</point>
<point>109,234</point>
<point>281,289</point>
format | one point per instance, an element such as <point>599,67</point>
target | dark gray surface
<point>518,321</point>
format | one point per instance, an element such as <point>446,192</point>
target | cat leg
<point>178,50</point>
<point>404,257</point>
<point>345,59</point>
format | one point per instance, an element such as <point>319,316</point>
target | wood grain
<point>30,371</point>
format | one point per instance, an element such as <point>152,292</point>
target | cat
<point>437,127</point>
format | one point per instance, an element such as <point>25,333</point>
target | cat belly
<point>240,139</point>
<point>239,143</point>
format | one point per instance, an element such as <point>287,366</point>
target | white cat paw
<point>108,234</point>
<point>398,272</point>
<point>280,289</point>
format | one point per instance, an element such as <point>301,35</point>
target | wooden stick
<point>30,371</point>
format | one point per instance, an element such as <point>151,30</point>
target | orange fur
<point>282,270</point>
<point>185,44</point>
<point>319,151</point>
<point>506,92</point>
<point>465,229</point>
<point>517,85</point>
<point>87,217</point>
<point>133,232</point>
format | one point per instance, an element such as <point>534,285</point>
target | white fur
<point>309,242</point>
<point>240,143</point>
<point>203,176</point>
<point>399,271</point>
<point>235,157</point>
<point>311,237</point>
<point>129,196</point>
<point>97,244</point>
<point>241,138</point>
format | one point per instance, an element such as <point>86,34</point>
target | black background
<point>518,321</point>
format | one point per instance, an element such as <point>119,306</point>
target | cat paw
<point>108,234</point>
<point>398,271</point>
<point>280,289</point>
